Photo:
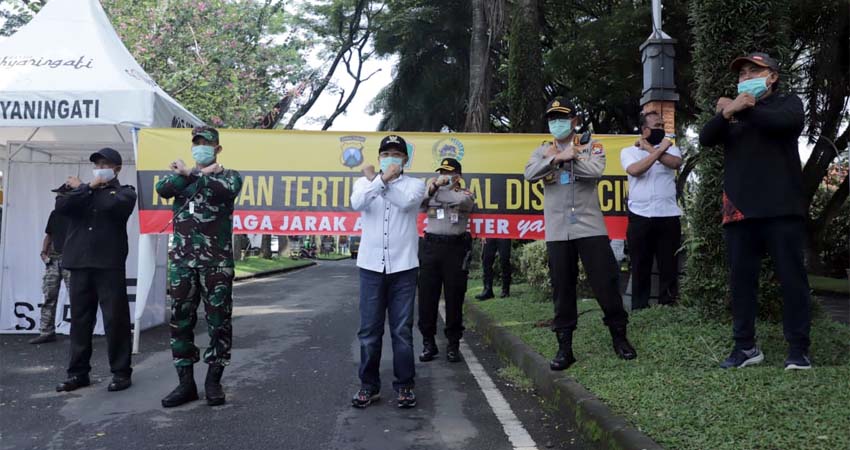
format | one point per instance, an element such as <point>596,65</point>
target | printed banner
<point>299,182</point>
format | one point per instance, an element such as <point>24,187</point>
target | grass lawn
<point>255,264</point>
<point>333,257</point>
<point>824,284</point>
<point>675,392</point>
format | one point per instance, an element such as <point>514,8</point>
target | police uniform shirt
<point>571,201</point>
<point>653,193</point>
<point>448,211</point>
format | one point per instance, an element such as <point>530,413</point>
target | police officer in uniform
<point>444,259</point>
<point>570,168</point>
<point>95,252</point>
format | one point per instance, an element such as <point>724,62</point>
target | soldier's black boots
<point>621,344</point>
<point>185,392</point>
<point>429,350</point>
<point>564,358</point>
<point>506,291</point>
<point>212,385</point>
<point>453,352</point>
<point>487,293</point>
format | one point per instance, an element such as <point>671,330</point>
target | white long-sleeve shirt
<point>653,193</point>
<point>390,240</point>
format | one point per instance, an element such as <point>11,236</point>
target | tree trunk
<point>525,69</point>
<point>477,111</point>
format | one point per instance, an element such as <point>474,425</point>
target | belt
<point>452,238</point>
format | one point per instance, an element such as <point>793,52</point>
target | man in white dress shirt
<point>654,231</point>
<point>389,261</point>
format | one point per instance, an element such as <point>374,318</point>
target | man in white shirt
<point>654,230</point>
<point>388,260</point>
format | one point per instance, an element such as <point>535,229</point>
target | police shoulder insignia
<point>598,149</point>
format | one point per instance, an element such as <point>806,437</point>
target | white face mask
<point>106,174</point>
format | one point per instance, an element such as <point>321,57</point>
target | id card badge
<point>191,207</point>
<point>573,218</point>
<point>565,178</point>
<point>441,213</point>
<point>454,217</point>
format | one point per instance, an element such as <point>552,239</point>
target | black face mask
<point>656,135</point>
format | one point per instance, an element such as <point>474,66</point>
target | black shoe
<point>429,350</point>
<point>486,294</point>
<point>453,352</point>
<point>365,397</point>
<point>119,383</point>
<point>506,292</point>
<point>742,358</point>
<point>185,392</point>
<point>797,360</point>
<point>564,358</point>
<point>43,338</point>
<point>406,398</point>
<point>621,344</point>
<point>213,390</point>
<point>73,383</point>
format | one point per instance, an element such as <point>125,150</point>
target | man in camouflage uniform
<point>54,274</point>
<point>201,264</point>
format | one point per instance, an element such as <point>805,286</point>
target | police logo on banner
<point>352,150</point>
<point>447,148</point>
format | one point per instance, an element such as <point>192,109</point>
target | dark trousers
<point>602,272</point>
<point>654,238</point>
<point>488,257</point>
<point>108,288</point>
<point>746,243</point>
<point>443,266</point>
<point>382,295</point>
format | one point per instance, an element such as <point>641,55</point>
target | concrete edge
<point>269,273</point>
<point>601,426</point>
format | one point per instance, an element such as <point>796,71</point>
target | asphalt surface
<point>289,385</point>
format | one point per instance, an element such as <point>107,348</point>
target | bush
<point>534,267</point>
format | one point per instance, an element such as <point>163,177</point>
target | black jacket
<point>97,225</point>
<point>763,175</point>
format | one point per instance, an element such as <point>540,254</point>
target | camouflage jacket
<point>203,217</point>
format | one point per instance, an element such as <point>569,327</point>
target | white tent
<point>68,87</point>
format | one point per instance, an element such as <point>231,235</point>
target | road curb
<point>269,273</point>
<point>604,429</point>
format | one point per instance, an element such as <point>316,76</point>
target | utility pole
<point>659,85</point>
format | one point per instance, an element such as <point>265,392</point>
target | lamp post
<point>659,85</point>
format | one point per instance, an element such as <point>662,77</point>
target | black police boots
<point>212,385</point>
<point>621,344</point>
<point>453,352</point>
<point>506,291</point>
<point>487,293</point>
<point>185,392</point>
<point>429,350</point>
<point>564,358</point>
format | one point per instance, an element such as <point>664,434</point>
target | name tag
<point>565,178</point>
<point>454,218</point>
<point>191,207</point>
<point>441,213</point>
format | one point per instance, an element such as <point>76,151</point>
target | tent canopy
<point>67,77</point>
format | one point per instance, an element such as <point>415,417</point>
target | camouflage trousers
<point>188,287</point>
<point>50,285</point>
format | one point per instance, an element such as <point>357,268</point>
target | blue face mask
<point>390,160</point>
<point>560,128</point>
<point>203,154</point>
<point>754,86</point>
<point>106,174</point>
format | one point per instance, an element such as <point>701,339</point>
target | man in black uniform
<point>488,256</point>
<point>95,252</point>
<point>444,259</point>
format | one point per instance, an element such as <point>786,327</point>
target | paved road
<point>293,372</point>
